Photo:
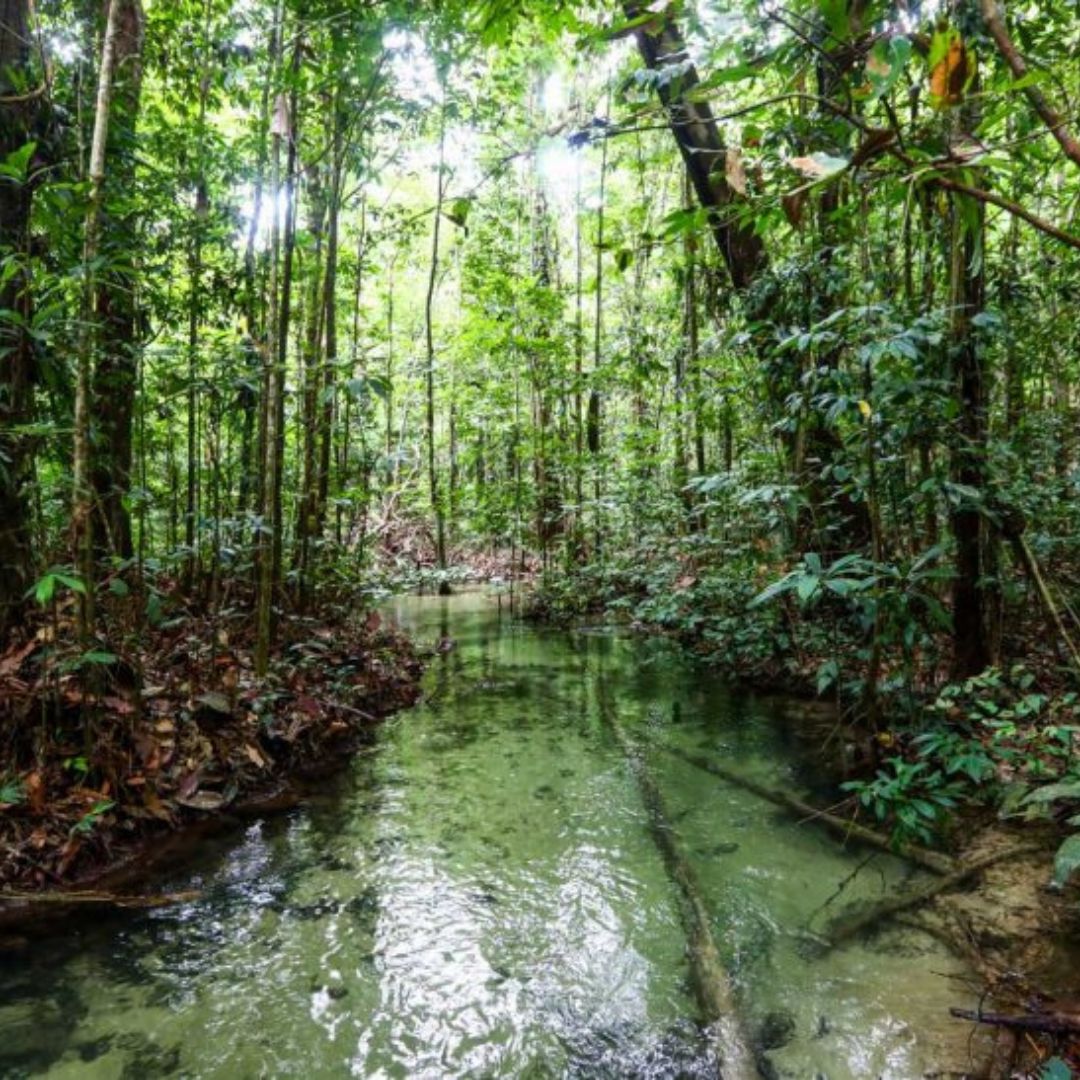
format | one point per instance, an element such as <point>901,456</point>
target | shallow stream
<point>480,896</point>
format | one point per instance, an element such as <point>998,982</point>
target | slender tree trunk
<point>82,519</point>
<point>971,641</point>
<point>579,368</point>
<point>429,337</point>
<point>311,376</point>
<point>345,448</point>
<point>687,359</point>
<point>271,520</point>
<point>195,300</point>
<point>276,445</point>
<point>594,418</point>
<point>17,368</point>
<point>326,425</point>
<point>253,448</point>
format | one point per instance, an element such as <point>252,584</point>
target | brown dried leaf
<point>13,661</point>
<point>34,786</point>
<point>793,207</point>
<point>951,74</point>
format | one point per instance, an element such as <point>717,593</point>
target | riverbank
<point>981,763</point>
<point>180,731</point>
<point>485,893</point>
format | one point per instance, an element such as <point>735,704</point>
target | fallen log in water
<point>712,984</point>
<point>1045,1023</point>
<point>96,897</point>
<point>845,927</point>
<point>847,830</point>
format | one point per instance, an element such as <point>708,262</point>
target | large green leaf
<point>1067,860</point>
<point>835,14</point>
<point>1054,792</point>
<point>886,64</point>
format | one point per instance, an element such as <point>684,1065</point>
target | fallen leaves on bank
<point>174,730</point>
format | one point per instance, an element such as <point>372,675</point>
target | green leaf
<point>458,211</point>
<point>835,14</point>
<point>97,656</point>
<point>770,592</point>
<point>827,675</point>
<point>11,792</point>
<point>17,163</point>
<point>1067,860</point>
<point>44,589</point>
<point>1055,1069</point>
<point>1054,792</point>
<point>72,582</point>
<point>805,587</point>
<point>886,64</point>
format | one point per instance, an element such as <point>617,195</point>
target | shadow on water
<point>481,896</point>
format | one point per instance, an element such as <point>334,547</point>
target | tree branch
<point>994,18</point>
<point>1013,208</point>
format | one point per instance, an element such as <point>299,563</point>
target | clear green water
<point>481,897</point>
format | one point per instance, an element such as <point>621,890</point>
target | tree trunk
<point>195,301</point>
<point>662,46</point>
<point>311,378</point>
<point>82,522</point>
<point>429,337</point>
<point>326,415</point>
<point>117,365</point>
<point>971,589</point>
<point>17,368</point>
<point>273,385</point>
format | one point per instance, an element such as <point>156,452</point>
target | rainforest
<point>540,538</point>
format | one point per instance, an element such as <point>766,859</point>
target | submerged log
<point>108,899</point>
<point>847,926</point>
<point>712,984</point>
<point>845,829</point>
<point>1045,1023</point>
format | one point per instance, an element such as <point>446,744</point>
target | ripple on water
<point>481,897</point>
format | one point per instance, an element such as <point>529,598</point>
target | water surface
<point>480,896</point>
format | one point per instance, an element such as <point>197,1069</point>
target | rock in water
<point>777,1029</point>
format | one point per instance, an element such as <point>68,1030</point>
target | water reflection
<point>481,897</point>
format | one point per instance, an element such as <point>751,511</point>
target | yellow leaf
<point>864,408</point>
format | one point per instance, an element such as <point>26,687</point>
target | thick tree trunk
<point>16,352</point>
<point>662,46</point>
<point>117,366</point>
